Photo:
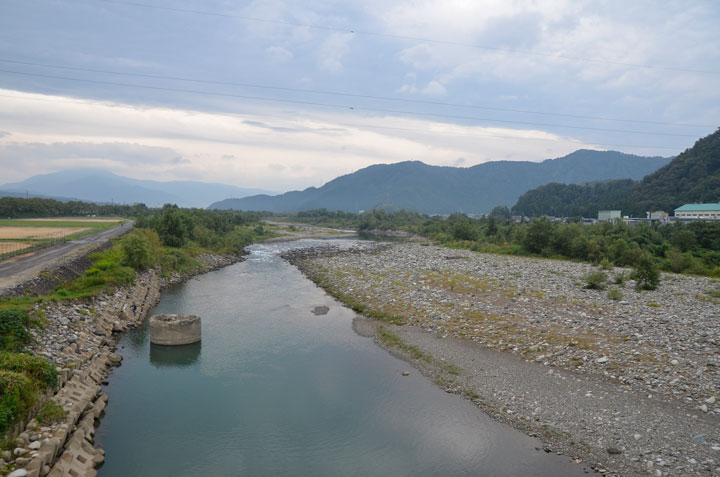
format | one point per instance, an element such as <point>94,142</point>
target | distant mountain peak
<point>414,185</point>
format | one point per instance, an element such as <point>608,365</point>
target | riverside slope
<point>630,386</point>
<point>78,338</point>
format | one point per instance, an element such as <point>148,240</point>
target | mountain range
<point>97,185</point>
<point>413,185</point>
<point>692,176</point>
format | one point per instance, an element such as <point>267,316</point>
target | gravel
<point>630,384</point>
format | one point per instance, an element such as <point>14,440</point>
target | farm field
<point>9,247</point>
<point>76,219</point>
<point>25,235</point>
<point>39,233</point>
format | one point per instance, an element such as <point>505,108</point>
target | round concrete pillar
<point>174,329</point>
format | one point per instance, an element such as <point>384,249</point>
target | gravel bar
<point>630,385</point>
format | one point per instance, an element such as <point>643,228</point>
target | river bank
<point>629,385</point>
<point>78,338</point>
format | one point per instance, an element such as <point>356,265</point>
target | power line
<point>411,38</point>
<point>344,107</point>
<point>371,126</point>
<point>337,93</point>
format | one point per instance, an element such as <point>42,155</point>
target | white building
<point>608,215</point>
<point>698,211</point>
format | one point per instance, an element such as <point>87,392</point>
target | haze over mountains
<point>97,185</point>
<point>416,186</point>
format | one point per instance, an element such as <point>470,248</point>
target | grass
<point>51,412</point>
<point>62,223</point>
<point>389,338</point>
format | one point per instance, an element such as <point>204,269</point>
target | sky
<point>283,95</point>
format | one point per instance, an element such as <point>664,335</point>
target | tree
<point>539,234</point>
<point>492,227</point>
<point>174,227</point>
<point>501,211</point>
<point>137,252</point>
<point>646,274</point>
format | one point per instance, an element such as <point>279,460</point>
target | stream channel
<point>275,390</point>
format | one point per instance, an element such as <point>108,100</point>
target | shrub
<point>35,367</point>
<point>137,252</point>
<point>51,412</point>
<point>595,280</point>
<point>680,262</point>
<point>646,274</point>
<point>615,294</point>
<point>606,264</point>
<point>17,395</point>
<point>620,278</point>
<point>13,332</point>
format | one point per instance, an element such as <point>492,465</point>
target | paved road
<point>20,269</point>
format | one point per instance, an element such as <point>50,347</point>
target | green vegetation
<point>19,208</point>
<point>51,412</point>
<point>693,176</point>
<point>692,248</point>
<point>388,338</point>
<point>615,294</point>
<point>169,238</point>
<point>646,274</point>
<point>22,378</point>
<point>596,280</point>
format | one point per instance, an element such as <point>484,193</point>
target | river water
<point>275,390</point>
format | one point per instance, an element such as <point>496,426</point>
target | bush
<point>680,262</point>
<point>137,252</point>
<point>13,332</point>
<point>620,278</point>
<point>646,274</point>
<point>35,367</point>
<point>17,396</point>
<point>615,294</point>
<point>595,280</point>
<point>51,412</point>
<point>606,264</point>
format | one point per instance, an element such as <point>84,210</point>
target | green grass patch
<point>59,223</point>
<point>51,412</point>
<point>389,338</point>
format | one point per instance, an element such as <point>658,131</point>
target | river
<point>274,389</point>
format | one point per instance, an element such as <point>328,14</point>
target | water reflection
<point>174,356</point>
<point>280,391</point>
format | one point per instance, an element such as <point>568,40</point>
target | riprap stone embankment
<point>78,338</point>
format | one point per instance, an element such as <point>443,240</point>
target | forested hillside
<point>693,176</point>
<point>440,190</point>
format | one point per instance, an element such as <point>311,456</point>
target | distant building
<point>608,215</point>
<point>698,211</point>
<point>658,216</point>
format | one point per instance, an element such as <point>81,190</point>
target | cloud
<point>269,148</point>
<point>127,153</point>
<point>433,88</point>
<point>279,54</point>
<point>332,51</point>
<point>271,128</point>
<point>3,133</point>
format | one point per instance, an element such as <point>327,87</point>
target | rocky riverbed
<point>627,380</point>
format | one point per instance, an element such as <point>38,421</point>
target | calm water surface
<point>275,390</point>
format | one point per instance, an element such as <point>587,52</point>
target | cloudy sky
<point>284,95</point>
